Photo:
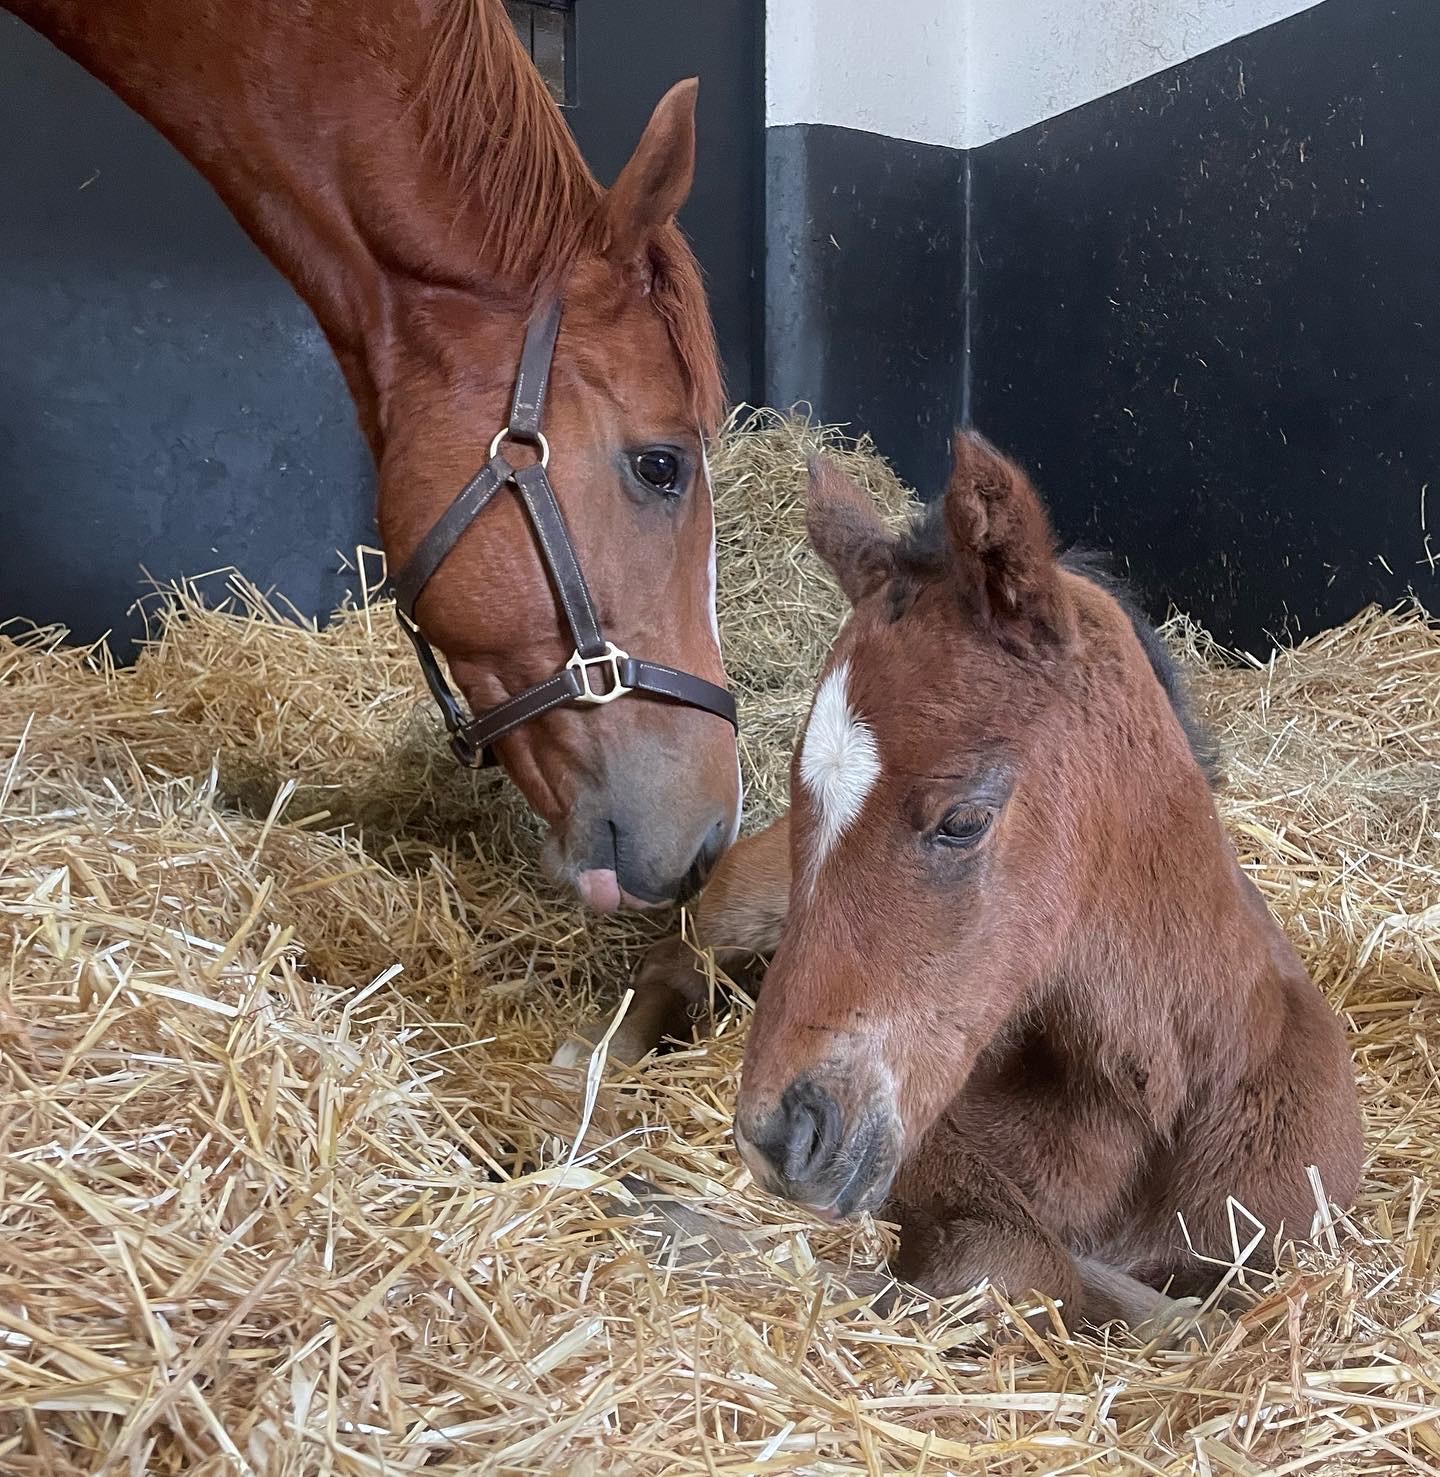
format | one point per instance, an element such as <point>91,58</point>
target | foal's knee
<point>943,1257</point>
<point>671,990</point>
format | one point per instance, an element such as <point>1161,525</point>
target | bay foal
<point>1023,1000</point>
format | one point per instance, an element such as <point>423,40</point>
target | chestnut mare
<point>1023,1000</point>
<point>405,168</point>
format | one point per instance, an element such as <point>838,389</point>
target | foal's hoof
<point>1172,1326</point>
<point>582,1041</point>
<point>572,1053</point>
<point>631,1043</point>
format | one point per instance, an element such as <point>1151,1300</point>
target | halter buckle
<point>610,659</point>
<point>465,752</point>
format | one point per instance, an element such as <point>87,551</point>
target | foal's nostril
<point>800,1137</point>
<point>805,1146</point>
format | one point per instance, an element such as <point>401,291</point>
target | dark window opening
<point>547,30</point>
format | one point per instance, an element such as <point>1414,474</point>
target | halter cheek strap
<point>598,672</point>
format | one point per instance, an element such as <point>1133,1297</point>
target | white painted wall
<point>965,72</point>
<point>1028,60</point>
<point>882,66</point>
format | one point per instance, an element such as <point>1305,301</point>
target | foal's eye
<point>657,468</point>
<point>963,826</point>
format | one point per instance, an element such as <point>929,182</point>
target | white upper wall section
<point>964,72</point>
<point>1031,59</point>
<point>882,66</point>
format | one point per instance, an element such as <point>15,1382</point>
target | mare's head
<point>992,786</point>
<point>641,795</point>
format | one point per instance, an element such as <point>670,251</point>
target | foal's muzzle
<point>804,1150</point>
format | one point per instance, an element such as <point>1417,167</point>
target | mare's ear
<point>846,531</point>
<point>1002,549</point>
<point>656,182</point>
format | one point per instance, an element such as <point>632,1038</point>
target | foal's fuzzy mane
<point>921,555</point>
<point>1094,567</point>
<point>491,122</point>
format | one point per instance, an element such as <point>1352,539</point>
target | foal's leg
<point>739,914</point>
<point>665,995</point>
<point>963,1222</point>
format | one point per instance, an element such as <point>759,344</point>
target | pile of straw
<point>287,1186</point>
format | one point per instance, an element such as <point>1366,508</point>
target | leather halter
<point>598,672</point>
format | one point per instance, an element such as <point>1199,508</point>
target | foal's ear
<point>656,182</point>
<point>846,531</point>
<point>1003,549</point>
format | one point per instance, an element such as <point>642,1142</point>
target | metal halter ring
<point>536,438</point>
<point>611,657</point>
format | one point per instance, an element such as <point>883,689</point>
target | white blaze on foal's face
<point>839,762</point>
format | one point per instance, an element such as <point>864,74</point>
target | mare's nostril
<point>704,861</point>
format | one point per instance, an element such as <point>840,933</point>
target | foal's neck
<point>306,121</point>
<point>1172,979</point>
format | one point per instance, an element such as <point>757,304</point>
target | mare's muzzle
<point>617,861</point>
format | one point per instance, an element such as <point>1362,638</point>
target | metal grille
<point>547,29</point>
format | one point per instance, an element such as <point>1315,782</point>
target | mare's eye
<point>657,468</point>
<point>963,826</point>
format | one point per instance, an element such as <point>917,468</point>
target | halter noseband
<point>598,672</point>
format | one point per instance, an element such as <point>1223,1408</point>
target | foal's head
<point>640,795</point>
<point>990,777</point>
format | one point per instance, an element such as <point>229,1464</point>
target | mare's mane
<point>921,555</point>
<point>490,120</point>
<point>492,123</point>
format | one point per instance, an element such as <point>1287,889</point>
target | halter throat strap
<point>598,672</point>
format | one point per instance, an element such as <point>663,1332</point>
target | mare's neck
<point>305,120</point>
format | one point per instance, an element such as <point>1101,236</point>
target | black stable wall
<point>1204,311</point>
<point>630,53</point>
<point>167,404</point>
<point>1207,317</point>
<point>865,287</point>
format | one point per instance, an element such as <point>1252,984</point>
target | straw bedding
<point>286,1185</point>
